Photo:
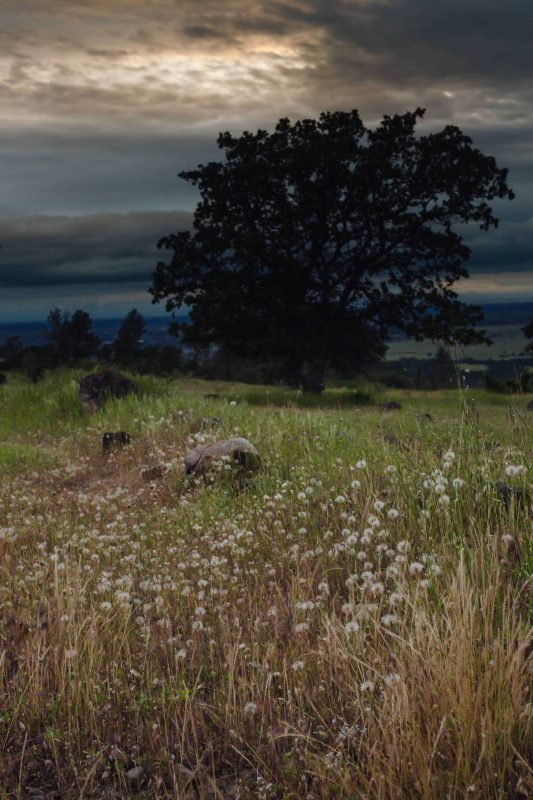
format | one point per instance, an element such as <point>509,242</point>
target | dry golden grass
<point>355,622</point>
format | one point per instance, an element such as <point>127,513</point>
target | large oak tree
<point>312,242</point>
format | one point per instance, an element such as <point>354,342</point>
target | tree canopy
<point>312,242</point>
<point>71,337</point>
<point>127,344</point>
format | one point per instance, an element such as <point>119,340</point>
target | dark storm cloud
<point>121,248</point>
<point>95,248</point>
<point>73,171</point>
<point>102,102</point>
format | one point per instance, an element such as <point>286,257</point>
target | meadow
<point>353,621</point>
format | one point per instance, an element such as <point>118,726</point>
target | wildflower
<point>351,627</point>
<point>305,605</point>
<point>388,620</point>
<point>391,679</point>
<point>444,501</point>
<point>367,686</point>
<point>197,625</point>
<point>105,606</point>
<point>70,654</point>
<point>449,456</point>
<point>390,469</point>
<point>511,470</point>
<point>323,587</point>
<point>361,464</point>
<point>200,611</point>
<point>355,484</point>
<point>415,568</point>
<point>301,627</point>
<point>347,608</point>
<point>394,599</point>
<point>297,666</point>
<point>393,513</point>
<point>250,708</point>
<point>233,403</point>
<point>402,546</point>
<point>378,505</point>
<point>340,499</point>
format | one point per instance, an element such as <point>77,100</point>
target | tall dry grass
<point>353,623</point>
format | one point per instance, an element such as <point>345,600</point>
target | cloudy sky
<point>102,102</point>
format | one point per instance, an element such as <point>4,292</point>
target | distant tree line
<point>70,340</point>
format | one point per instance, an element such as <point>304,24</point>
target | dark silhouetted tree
<point>72,337</point>
<point>319,238</point>
<point>127,345</point>
<point>11,352</point>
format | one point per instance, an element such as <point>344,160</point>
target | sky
<point>103,102</point>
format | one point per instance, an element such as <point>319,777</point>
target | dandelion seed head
<point>351,627</point>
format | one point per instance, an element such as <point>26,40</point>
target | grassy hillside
<point>353,622</point>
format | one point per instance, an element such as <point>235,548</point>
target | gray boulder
<point>239,451</point>
<point>97,387</point>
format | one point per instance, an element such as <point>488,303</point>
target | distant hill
<point>507,313</point>
<point>106,329</point>
<point>516,314</point>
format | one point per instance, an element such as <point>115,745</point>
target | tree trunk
<point>313,376</point>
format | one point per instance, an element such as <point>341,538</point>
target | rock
<point>135,775</point>
<point>239,451</point>
<point>153,473</point>
<point>392,406</point>
<point>97,387</point>
<point>111,441</point>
